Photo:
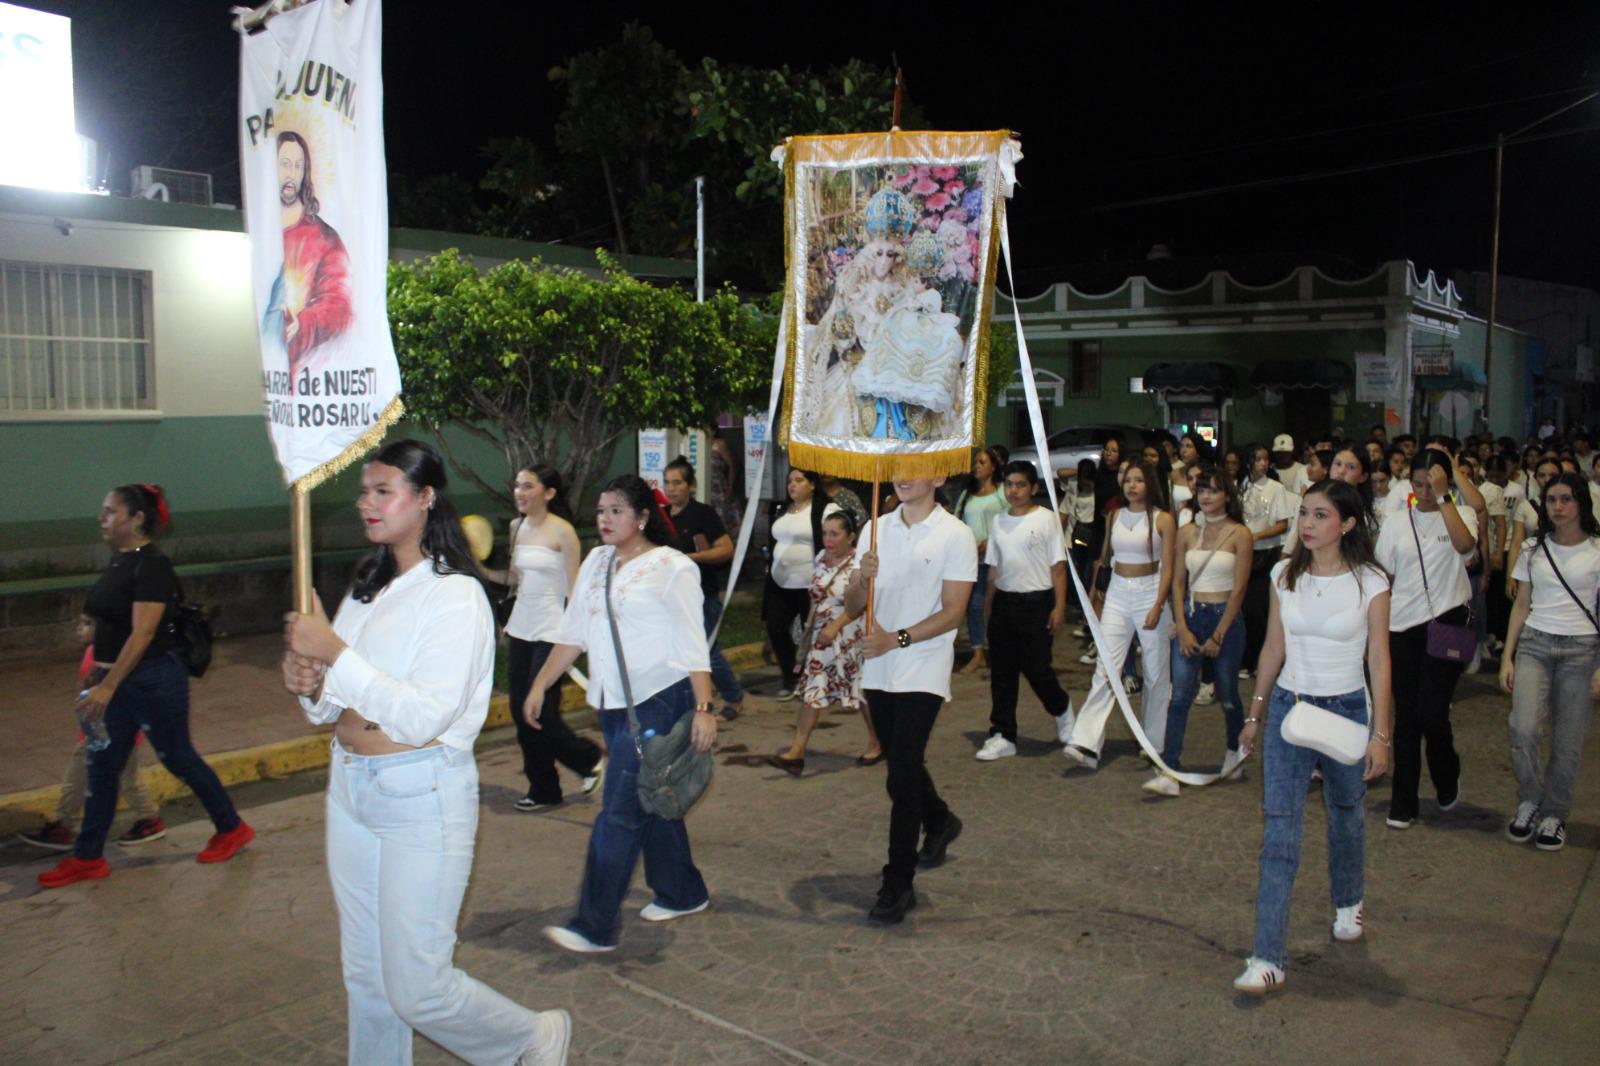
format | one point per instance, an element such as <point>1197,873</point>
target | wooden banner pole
<point>300,535</point>
<point>872,538</point>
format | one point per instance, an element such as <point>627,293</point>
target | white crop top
<point>1325,630</point>
<point>1132,540</point>
<point>1217,576</point>
<point>541,593</point>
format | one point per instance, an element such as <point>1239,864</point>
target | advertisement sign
<point>1377,378</point>
<point>37,128</point>
<point>757,433</point>
<point>652,456</point>
<point>1433,362</point>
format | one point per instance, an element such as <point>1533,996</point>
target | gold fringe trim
<point>866,466</point>
<point>358,447</point>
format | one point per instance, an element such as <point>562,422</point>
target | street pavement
<point>1076,919</point>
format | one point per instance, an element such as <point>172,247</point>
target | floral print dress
<point>833,671</point>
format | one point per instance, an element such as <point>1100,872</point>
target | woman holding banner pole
<point>405,671</point>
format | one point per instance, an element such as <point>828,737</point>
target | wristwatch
<point>903,638</point>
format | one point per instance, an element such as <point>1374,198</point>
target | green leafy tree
<point>555,366</point>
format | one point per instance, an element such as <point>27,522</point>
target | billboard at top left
<point>37,128</point>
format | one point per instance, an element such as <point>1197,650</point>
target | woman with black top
<point>796,538</point>
<point>1426,550</point>
<point>139,683</point>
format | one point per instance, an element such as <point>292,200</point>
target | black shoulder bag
<point>672,773</point>
<point>189,625</point>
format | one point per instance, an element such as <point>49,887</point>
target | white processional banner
<point>316,208</point>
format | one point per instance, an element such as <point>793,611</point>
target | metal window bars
<point>74,339</point>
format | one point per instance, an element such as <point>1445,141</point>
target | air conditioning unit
<point>182,186</point>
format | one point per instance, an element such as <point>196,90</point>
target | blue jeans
<point>975,631</point>
<point>624,829</point>
<point>1202,622</point>
<point>722,675</point>
<point>1286,768</point>
<point>154,698</point>
<point>1551,688</point>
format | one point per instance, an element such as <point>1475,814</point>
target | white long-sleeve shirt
<point>660,618</point>
<point>419,661</point>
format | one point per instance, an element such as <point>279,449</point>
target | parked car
<point>1070,446</point>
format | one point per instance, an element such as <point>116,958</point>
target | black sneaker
<point>1552,834</point>
<point>528,805</point>
<point>52,837</point>
<point>1455,798</point>
<point>892,906</point>
<point>1520,829</point>
<point>933,848</point>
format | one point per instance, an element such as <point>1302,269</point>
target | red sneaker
<point>72,869</point>
<point>224,846</point>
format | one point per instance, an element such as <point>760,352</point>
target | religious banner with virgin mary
<point>312,158</point>
<point>891,242</point>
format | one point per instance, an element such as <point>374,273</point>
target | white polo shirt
<point>913,564</point>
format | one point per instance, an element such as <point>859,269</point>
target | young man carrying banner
<point>925,564</point>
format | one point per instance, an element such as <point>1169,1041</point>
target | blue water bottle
<point>95,737</point>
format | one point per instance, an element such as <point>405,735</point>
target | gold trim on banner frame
<point>893,145</point>
<point>355,450</point>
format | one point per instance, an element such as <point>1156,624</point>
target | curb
<point>27,809</point>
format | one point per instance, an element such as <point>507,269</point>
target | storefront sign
<point>1433,362</point>
<point>1377,378</point>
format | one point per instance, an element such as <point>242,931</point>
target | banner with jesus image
<point>316,208</point>
<point>891,244</point>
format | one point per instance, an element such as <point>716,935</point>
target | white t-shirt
<point>1494,507</point>
<point>419,661</point>
<point>1266,503</point>
<point>1553,610</point>
<point>657,602</point>
<point>1293,478</point>
<point>1527,516</point>
<point>792,551</point>
<point>1025,548</point>
<point>1291,536</point>
<point>913,563</point>
<point>1447,568</point>
<point>1325,629</point>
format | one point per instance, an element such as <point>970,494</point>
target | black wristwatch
<point>903,638</point>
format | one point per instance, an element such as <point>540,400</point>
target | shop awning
<point>1302,374</point>
<point>1191,377</point>
<point>1462,377</point>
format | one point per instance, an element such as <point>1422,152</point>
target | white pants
<point>400,839</point>
<point>1128,601</point>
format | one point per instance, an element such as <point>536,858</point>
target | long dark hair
<point>1580,493</point>
<point>997,465</point>
<point>443,540</point>
<point>1205,452</point>
<point>819,504</point>
<point>1155,499</point>
<point>551,478</point>
<point>1364,461</point>
<point>148,502</point>
<point>1356,546</point>
<point>641,497</point>
<point>1211,476</point>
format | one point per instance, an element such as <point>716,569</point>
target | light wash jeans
<point>1128,601</point>
<point>400,839</point>
<point>1286,768</point>
<point>1551,688</point>
<point>1186,669</point>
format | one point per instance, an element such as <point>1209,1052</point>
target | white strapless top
<point>541,593</point>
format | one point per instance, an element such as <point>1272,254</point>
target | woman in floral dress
<point>832,673</point>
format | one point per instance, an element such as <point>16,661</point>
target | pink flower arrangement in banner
<point>937,202</point>
<point>944,173</point>
<point>900,181</point>
<point>925,187</point>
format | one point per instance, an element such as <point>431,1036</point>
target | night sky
<point>1154,101</point>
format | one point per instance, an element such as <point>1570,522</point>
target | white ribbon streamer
<point>1036,420</point>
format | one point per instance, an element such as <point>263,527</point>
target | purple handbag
<point>1447,641</point>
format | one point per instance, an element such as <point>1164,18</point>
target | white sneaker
<point>1206,695</point>
<point>1232,761</point>
<point>573,941</point>
<point>1259,978</point>
<point>1064,723</point>
<point>591,781</point>
<point>1081,757</point>
<point>1476,661</point>
<point>1088,658</point>
<point>552,1041</point>
<point>1244,675</point>
<point>1520,830</point>
<point>996,747</point>
<point>1347,923</point>
<point>655,912</point>
<point>1080,631</point>
<point>1162,785</point>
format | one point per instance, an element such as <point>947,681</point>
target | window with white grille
<point>74,339</point>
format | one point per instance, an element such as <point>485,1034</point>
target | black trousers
<point>1258,604</point>
<point>554,740</point>
<point>1019,644</point>
<point>783,606</point>
<point>1423,689</point>
<point>1499,606</point>
<point>903,722</point>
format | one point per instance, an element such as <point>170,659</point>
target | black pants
<point>783,606</point>
<point>1423,689</point>
<point>1499,606</point>
<point>903,722</point>
<point>1019,643</point>
<point>553,741</point>
<point>1258,604</point>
